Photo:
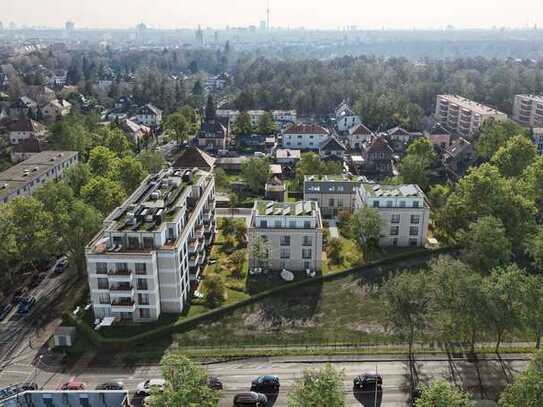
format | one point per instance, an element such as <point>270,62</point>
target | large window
<point>413,231</point>
<point>394,231</point>
<point>395,219</point>
<point>415,204</point>
<point>145,313</point>
<point>133,243</point>
<point>263,223</point>
<point>148,242</point>
<point>285,253</point>
<point>103,284</point>
<point>142,284</point>
<point>415,219</point>
<point>306,253</point>
<point>103,298</point>
<point>141,268</point>
<point>121,267</point>
<point>307,224</point>
<point>101,268</point>
<point>331,202</point>
<point>143,299</point>
<point>285,240</point>
<point>376,204</point>
<point>307,241</point>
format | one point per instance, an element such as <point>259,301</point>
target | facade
<point>304,137</point>
<point>149,115</point>
<point>401,135</point>
<point>25,129</point>
<point>378,157</point>
<point>287,156</point>
<point>404,211</point>
<point>279,116</point>
<point>359,136</point>
<point>153,247</point>
<point>292,233</point>
<point>212,136</point>
<point>333,193</point>
<point>55,109</point>
<point>463,116</point>
<point>26,149</point>
<point>134,131</point>
<point>69,398</point>
<point>528,110</point>
<point>538,140</point>
<point>24,178</point>
<point>345,118</point>
<point>332,149</point>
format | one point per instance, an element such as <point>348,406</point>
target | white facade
<point>333,193</point>
<point>143,261</point>
<point>149,115</point>
<point>538,140</point>
<point>345,118</point>
<point>528,110</point>
<point>304,137</point>
<point>404,212</point>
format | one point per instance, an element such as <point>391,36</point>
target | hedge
<point>187,324</point>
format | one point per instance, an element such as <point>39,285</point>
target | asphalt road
<point>484,379</point>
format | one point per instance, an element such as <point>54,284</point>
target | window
<point>306,253</point>
<point>101,268</point>
<point>103,298</point>
<point>331,202</point>
<point>133,243</point>
<point>143,299</point>
<point>142,284</point>
<point>395,219</point>
<point>415,204</point>
<point>292,224</point>
<point>413,231</point>
<point>141,268</point>
<point>121,267</point>
<point>402,204</point>
<point>394,230</point>
<point>376,204</point>
<point>285,253</point>
<point>413,242</point>
<point>147,242</point>
<point>307,265</point>
<point>389,204</point>
<point>307,241</point>
<point>415,219</point>
<point>285,240</point>
<point>103,284</point>
<point>84,400</point>
<point>307,224</point>
<point>278,224</point>
<point>263,223</point>
<point>145,313</point>
<point>48,400</point>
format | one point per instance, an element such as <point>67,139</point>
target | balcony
<point>201,246</point>
<point>199,232</point>
<point>207,216</point>
<point>193,260</point>
<point>193,246</point>
<point>123,305</point>
<point>121,287</point>
<point>201,258</point>
<point>209,240</point>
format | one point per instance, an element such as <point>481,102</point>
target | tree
<point>527,390</point>
<point>102,161</point>
<point>186,384</point>
<point>486,244</point>
<point>442,394</point>
<point>242,125</point>
<point>103,193</point>
<point>530,183</point>
<point>513,158</point>
<point>259,253</point>
<point>228,226</point>
<point>77,177</point>
<point>366,225</point>
<point>130,173</point>
<point>240,232</point>
<point>266,124</point>
<point>221,181</point>
<point>237,259</point>
<point>406,301</point>
<point>333,250</point>
<point>152,160</point>
<point>311,164</point>
<point>70,134</point>
<point>116,141</point>
<point>532,305</point>
<point>494,135</point>
<point>214,290</point>
<point>415,167</point>
<point>176,124</point>
<point>318,388</point>
<point>233,201</point>
<point>255,171</point>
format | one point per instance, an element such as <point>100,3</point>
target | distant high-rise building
<point>263,25</point>
<point>268,16</point>
<point>140,32</point>
<point>199,36</point>
<point>69,26</point>
<point>216,37</point>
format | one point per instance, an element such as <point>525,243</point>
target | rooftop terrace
<point>301,208</point>
<point>396,191</point>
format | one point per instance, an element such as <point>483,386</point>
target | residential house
<point>332,149</point>
<point>134,131</point>
<point>213,136</point>
<point>359,136</point>
<point>232,164</point>
<point>440,137</point>
<point>58,79</point>
<point>304,136</point>
<point>149,115</point>
<point>26,149</point>
<point>345,117</point>
<point>403,209</point>
<point>378,157</point>
<point>23,107</point>
<point>193,157</point>
<point>24,129</point>
<point>152,248</point>
<point>275,189</point>
<point>286,156</point>
<point>458,158</point>
<point>56,109</point>
<point>333,193</point>
<point>291,233</point>
<point>41,94</point>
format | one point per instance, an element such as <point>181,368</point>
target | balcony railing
<point>121,287</point>
<point>120,272</point>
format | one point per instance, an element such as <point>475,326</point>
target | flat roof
<point>335,178</point>
<point>536,98</point>
<point>272,208</point>
<point>393,191</point>
<point>471,104</point>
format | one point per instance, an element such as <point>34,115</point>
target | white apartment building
<point>345,117</point>
<point>24,178</point>
<point>148,115</point>
<point>333,193</point>
<point>279,116</point>
<point>528,110</point>
<point>152,247</point>
<point>404,211</point>
<point>292,232</point>
<point>463,116</point>
<point>304,136</point>
<point>538,140</point>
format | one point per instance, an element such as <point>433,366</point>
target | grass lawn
<point>351,256</point>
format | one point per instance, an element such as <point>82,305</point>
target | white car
<point>144,388</point>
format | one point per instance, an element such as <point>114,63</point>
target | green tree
<point>115,139</point>
<point>333,250</point>
<point>530,184</point>
<point>311,164</point>
<point>70,134</point>
<point>214,290</point>
<point>318,388</point>
<point>415,166</point>
<point>242,125</point>
<point>513,158</point>
<point>532,306</point>
<point>527,390</point>
<point>255,172</point>
<point>152,160</point>
<point>176,125</point>
<point>494,135</point>
<point>366,226</point>
<point>486,244</point>
<point>221,181</point>
<point>259,253</point>
<point>406,301</point>
<point>104,194</point>
<point>130,173</point>
<point>228,226</point>
<point>102,161</point>
<point>77,177</point>
<point>186,384</point>
<point>266,124</point>
<point>237,259</point>
<point>240,233</point>
<point>442,394</point>
<point>534,247</point>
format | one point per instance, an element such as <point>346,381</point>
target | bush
<point>333,250</point>
<point>214,290</point>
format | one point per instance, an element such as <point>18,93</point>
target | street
<point>484,379</point>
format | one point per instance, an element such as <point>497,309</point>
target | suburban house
<point>232,164</point>
<point>304,136</point>
<point>286,156</point>
<point>213,136</point>
<point>149,115</point>
<point>55,109</point>
<point>440,137</point>
<point>402,208</point>
<point>401,135</point>
<point>24,178</point>
<point>58,78</point>
<point>345,117</point>
<point>458,158</point>
<point>153,247</point>
<point>378,157</point>
<point>24,129</point>
<point>332,149</point>
<point>23,107</point>
<point>134,131</point>
<point>333,193</point>
<point>193,157</point>
<point>359,136</point>
<point>26,149</point>
<point>291,234</point>
<point>275,189</point>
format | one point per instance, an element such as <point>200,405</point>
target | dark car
<point>28,386</point>
<point>111,386</point>
<point>25,305</point>
<point>250,399</point>
<point>368,381</point>
<point>214,383</point>
<point>61,265</point>
<point>265,384</point>
<point>4,311</point>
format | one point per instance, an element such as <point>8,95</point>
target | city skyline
<point>317,14</point>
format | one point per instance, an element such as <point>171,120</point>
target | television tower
<point>268,16</point>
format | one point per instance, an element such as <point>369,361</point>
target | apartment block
<point>68,398</point>
<point>292,233</point>
<point>528,110</point>
<point>463,116</point>
<point>404,211</point>
<point>333,193</point>
<point>538,140</point>
<point>153,247</point>
<point>24,178</point>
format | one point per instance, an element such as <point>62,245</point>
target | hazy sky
<point>287,13</point>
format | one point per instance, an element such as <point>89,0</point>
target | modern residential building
<point>463,116</point>
<point>292,233</point>
<point>528,110</point>
<point>24,178</point>
<point>538,140</point>
<point>333,193</point>
<point>153,247</point>
<point>404,211</point>
<point>69,398</point>
<point>304,136</point>
<point>149,115</point>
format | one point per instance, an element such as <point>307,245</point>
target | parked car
<point>111,386</point>
<point>4,311</point>
<point>265,384</point>
<point>28,386</point>
<point>25,305</point>
<point>72,385</point>
<point>144,388</point>
<point>61,265</point>
<point>214,383</point>
<point>250,399</point>
<point>368,381</point>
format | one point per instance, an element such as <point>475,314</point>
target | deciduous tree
<point>318,388</point>
<point>442,394</point>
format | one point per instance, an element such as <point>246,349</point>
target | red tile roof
<point>303,128</point>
